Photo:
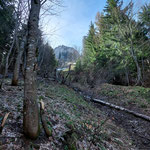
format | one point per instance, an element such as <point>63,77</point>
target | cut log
<point>43,119</point>
<point>4,121</point>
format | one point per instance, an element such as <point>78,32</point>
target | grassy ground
<point>132,97</point>
<point>128,96</point>
<point>93,129</point>
<point>75,123</point>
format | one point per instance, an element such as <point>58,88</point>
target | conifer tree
<point>90,44</point>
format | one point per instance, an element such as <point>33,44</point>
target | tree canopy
<point>119,42</point>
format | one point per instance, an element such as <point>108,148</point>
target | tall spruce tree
<point>90,46</point>
<point>122,42</point>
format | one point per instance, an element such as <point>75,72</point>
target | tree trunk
<point>139,74</point>
<point>126,73</point>
<point>127,76</point>
<point>18,61</point>
<point>17,23</point>
<point>2,64</point>
<point>42,57</point>
<point>7,60</point>
<point>143,75</point>
<point>23,65</point>
<point>31,111</point>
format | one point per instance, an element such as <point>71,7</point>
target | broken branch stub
<point>43,119</point>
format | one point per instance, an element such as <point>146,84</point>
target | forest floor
<point>74,122</point>
<point>131,97</point>
<point>134,98</point>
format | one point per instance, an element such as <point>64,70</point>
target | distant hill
<point>66,54</point>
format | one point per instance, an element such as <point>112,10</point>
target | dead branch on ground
<point>3,122</point>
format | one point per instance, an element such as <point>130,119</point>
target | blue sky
<point>69,27</point>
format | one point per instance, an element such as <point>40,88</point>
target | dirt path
<point>138,129</point>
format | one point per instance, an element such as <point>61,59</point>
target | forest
<point>116,47</point>
<point>63,99</point>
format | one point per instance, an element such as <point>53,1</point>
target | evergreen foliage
<point>7,25</point>
<point>119,43</point>
<point>46,59</point>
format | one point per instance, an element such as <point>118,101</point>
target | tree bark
<point>42,57</point>
<point>8,55</point>
<point>127,77</point>
<point>143,69</point>
<point>7,61</point>
<point>139,74</point>
<point>31,110</point>
<point>18,61</point>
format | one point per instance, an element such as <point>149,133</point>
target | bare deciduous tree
<point>20,48</point>
<point>31,112</point>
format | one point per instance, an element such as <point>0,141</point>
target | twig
<point>3,122</point>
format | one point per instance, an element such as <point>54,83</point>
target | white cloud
<point>72,24</point>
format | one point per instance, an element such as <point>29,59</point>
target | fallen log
<point>142,116</point>
<point>3,122</point>
<point>43,119</point>
<point>122,109</point>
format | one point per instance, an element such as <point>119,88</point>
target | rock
<point>66,54</point>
